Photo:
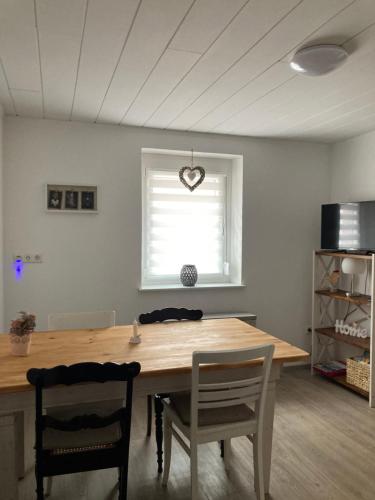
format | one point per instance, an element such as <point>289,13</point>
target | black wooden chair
<point>158,316</point>
<point>67,443</point>
<point>170,314</point>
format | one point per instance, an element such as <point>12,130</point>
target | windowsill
<point>199,286</point>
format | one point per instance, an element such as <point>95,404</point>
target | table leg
<point>8,468</point>
<point>158,404</point>
<point>149,414</point>
<point>20,443</point>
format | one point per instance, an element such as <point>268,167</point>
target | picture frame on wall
<point>88,200</point>
<point>71,199</point>
<point>68,198</point>
<point>54,199</point>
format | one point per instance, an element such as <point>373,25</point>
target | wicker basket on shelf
<point>358,374</point>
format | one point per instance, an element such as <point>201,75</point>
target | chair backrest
<point>247,389</point>
<point>74,321</point>
<point>78,373</point>
<point>170,313</point>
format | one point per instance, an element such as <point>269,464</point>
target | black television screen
<point>348,226</point>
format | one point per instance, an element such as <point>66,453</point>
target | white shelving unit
<point>329,305</point>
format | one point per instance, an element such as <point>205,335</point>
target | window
<point>182,227</point>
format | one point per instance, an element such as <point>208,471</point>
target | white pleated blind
<point>183,227</point>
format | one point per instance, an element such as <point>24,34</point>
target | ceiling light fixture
<point>318,60</point>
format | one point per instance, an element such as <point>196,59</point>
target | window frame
<point>205,279</point>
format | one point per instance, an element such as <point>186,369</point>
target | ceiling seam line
<point>238,60</point>
<point>239,90</point>
<point>119,59</point>
<point>256,100</point>
<point>196,62</point>
<point>336,106</point>
<point>8,86</point>
<point>39,57</point>
<point>333,108</point>
<point>79,60</point>
<point>359,33</point>
<point>158,60</point>
<point>267,69</point>
<point>339,117</point>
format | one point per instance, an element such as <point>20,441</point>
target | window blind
<point>184,227</point>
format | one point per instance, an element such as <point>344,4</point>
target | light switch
<point>29,258</point>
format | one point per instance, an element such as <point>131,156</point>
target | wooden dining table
<point>165,355</point>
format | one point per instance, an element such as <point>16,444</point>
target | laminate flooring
<point>323,449</point>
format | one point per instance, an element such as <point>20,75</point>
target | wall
<point>94,261</point>
<point>353,169</point>
<point>1,224</point>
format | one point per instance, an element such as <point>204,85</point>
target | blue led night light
<point>18,269</point>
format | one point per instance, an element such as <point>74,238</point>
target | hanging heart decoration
<point>192,177</point>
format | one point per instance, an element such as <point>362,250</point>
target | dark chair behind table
<point>159,316</point>
<point>170,314</point>
<point>98,439</point>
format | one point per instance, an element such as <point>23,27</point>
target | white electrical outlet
<point>29,258</point>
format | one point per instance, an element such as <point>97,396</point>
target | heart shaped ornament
<point>191,178</point>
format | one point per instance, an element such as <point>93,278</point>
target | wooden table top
<point>165,348</point>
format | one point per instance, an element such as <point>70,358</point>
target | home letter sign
<point>353,330</point>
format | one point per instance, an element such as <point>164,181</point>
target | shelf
<point>341,295</point>
<point>198,286</point>
<point>342,255</point>
<point>347,339</point>
<point>341,379</point>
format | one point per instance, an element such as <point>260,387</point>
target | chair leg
<point>123,484</point>
<point>49,486</point>
<point>39,487</point>
<point>222,452</point>
<point>149,415</point>
<point>167,448</point>
<point>258,467</point>
<point>158,407</point>
<point>194,470</point>
<point>227,454</point>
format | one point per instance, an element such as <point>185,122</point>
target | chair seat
<point>85,438</point>
<point>180,402</point>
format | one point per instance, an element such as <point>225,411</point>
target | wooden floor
<point>324,449</point>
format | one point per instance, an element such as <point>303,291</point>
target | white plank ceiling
<point>218,66</point>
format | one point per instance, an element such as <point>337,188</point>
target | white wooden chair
<point>216,411</point>
<point>74,321</point>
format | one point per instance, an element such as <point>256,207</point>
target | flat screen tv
<point>348,226</point>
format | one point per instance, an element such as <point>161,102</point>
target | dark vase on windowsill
<point>188,275</point>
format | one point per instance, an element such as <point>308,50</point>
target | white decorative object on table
<point>136,337</point>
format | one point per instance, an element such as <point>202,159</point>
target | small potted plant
<point>20,334</point>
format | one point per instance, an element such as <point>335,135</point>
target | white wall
<point>94,261</point>
<point>353,169</point>
<point>1,224</point>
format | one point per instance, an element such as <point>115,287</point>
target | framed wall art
<point>71,198</point>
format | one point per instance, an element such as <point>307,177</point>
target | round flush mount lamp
<point>318,60</point>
